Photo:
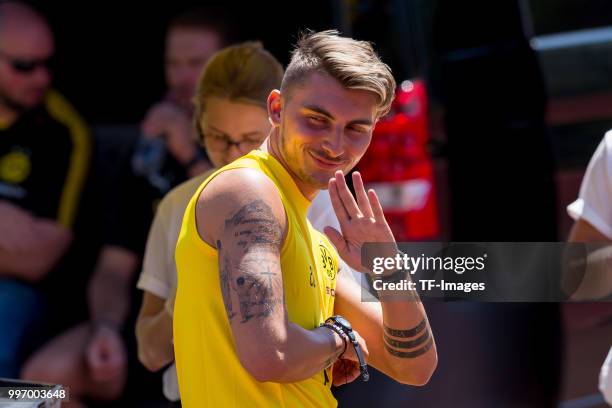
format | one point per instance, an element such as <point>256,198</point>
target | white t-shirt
<point>158,274</point>
<point>605,378</point>
<point>594,203</point>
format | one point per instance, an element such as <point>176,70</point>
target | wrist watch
<point>348,330</point>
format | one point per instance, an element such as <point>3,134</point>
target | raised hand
<point>360,221</point>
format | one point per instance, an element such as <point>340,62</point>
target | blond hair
<point>353,63</point>
<point>243,72</point>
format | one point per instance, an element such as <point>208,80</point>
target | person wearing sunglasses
<point>44,159</point>
<point>96,356</point>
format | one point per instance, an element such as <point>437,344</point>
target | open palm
<point>360,221</point>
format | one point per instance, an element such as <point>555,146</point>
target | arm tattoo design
<point>258,234</point>
<point>406,333</point>
<point>225,283</point>
<point>255,291</point>
<point>410,354</point>
<point>255,226</point>
<point>407,344</point>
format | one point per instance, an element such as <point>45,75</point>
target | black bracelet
<point>339,332</point>
<point>347,329</point>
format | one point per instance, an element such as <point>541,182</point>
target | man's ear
<point>274,107</point>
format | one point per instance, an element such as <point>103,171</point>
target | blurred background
<point>500,106</point>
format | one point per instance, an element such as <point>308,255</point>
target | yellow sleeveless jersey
<point>209,371</point>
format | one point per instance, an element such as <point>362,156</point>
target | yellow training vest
<point>209,371</point>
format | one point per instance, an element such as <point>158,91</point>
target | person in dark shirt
<point>106,342</point>
<point>44,159</point>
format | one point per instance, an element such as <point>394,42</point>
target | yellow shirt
<point>209,371</point>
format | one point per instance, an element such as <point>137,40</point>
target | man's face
<point>187,50</point>
<point>25,50</point>
<point>232,129</point>
<point>324,127</point>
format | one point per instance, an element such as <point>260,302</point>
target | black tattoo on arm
<point>255,289</point>
<point>406,333</point>
<point>224,268</point>
<point>256,234</point>
<point>407,344</point>
<point>410,354</point>
<point>391,344</point>
<point>256,227</point>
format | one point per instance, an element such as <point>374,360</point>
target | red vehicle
<point>398,166</point>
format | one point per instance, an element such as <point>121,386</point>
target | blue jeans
<point>20,305</point>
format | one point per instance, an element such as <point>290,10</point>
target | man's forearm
<point>108,299</point>
<point>110,286</point>
<point>309,352</point>
<point>407,337</point>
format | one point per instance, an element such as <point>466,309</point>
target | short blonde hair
<point>243,72</point>
<point>353,63</point>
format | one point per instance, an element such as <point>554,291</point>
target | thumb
<point>335,237</point>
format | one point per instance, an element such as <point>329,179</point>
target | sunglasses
<point>25,66</point>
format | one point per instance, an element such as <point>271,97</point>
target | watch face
<point>343,322</point>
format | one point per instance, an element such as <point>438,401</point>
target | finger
<point>345,196</point>
<point>339,209</point>
<point>335,237</point>
<point>362,197</point>
<point>377,209</point>
<point>352,374</point>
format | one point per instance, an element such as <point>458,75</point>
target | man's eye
<point>316,120</point>
<point>356,129</point>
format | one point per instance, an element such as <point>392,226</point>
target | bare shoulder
<point>239,197</point>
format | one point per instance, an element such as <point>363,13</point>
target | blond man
<point>257,285</point>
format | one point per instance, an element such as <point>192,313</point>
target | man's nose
<point>333,143</point>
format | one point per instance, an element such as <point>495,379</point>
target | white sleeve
<point>605,379</point>
<point>593,203</point>
<point>153,277</point>
<point>321,214</point>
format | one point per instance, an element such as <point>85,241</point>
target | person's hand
<point>360,221</point>
<point>346,368</point>
<point>106,355</point>
<point>17,226</point>
<point>171,122</point>
<point>344,372</point>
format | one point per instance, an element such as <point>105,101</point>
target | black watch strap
<point>348,330</point>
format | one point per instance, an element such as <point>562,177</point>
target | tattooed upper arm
<point>249,237</point>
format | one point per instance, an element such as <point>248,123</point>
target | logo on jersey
<point>15,167</point>
<point>327,262</point>
<point>311,279</point>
